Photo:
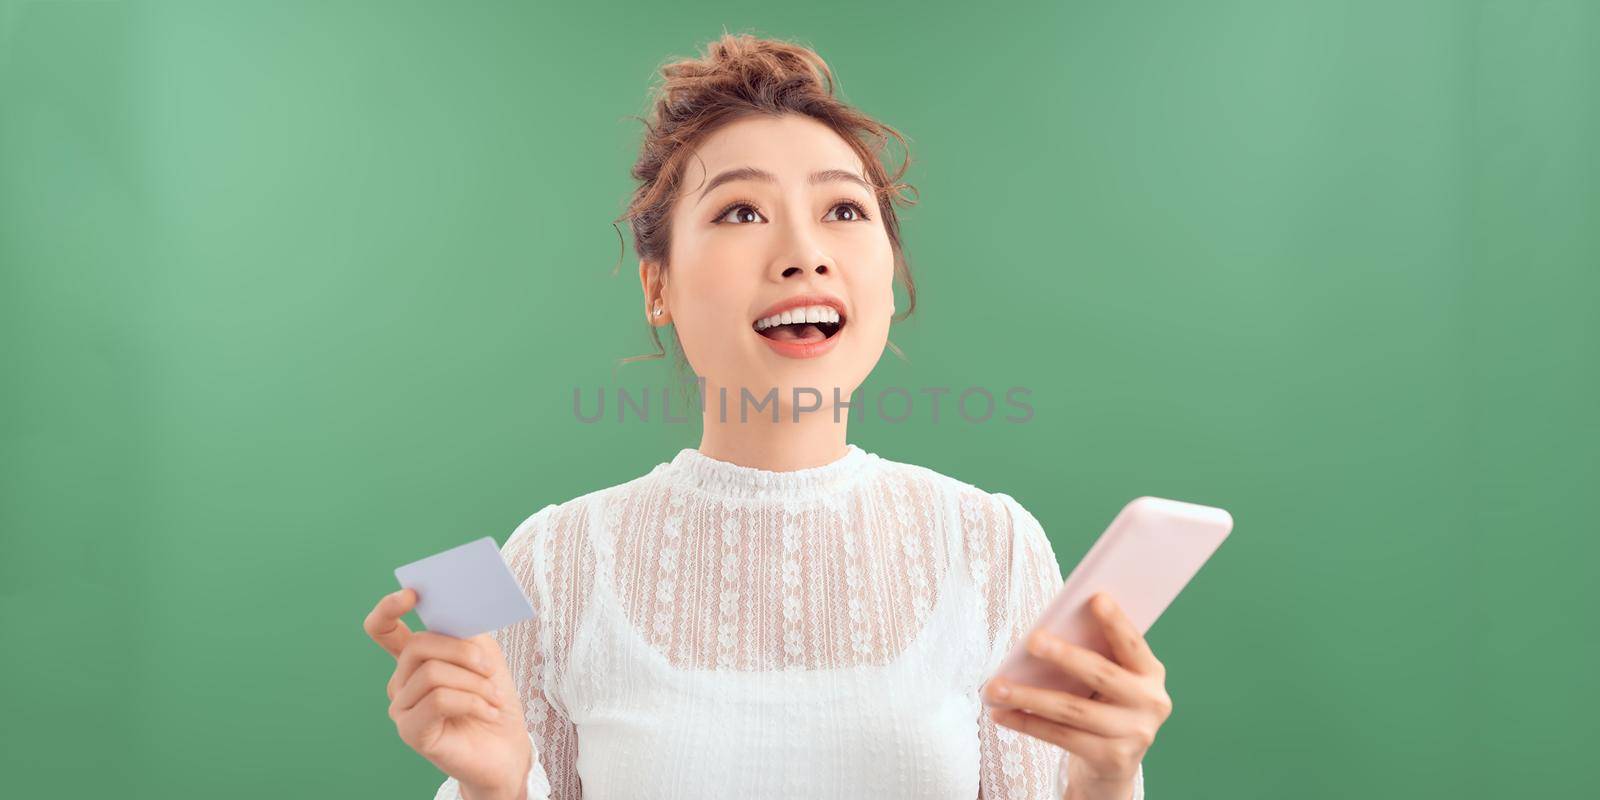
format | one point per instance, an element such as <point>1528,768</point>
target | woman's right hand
<point>453,701</point>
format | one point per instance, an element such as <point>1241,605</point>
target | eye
<point>860,214</point>
<point>737,205</point>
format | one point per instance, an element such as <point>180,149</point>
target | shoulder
<point>558,533</point>
<point>566,521</point>
<point>951,485</point>
<point>994,516</point>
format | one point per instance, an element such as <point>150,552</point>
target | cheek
<point>705,309</point>
<point>874,290</point>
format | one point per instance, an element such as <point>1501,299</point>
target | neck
<point>787,444</point>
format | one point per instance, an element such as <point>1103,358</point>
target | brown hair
<point>740,75</point>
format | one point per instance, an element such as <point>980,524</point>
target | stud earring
<point>658,310</point>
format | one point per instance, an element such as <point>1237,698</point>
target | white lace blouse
<point>713,630</point>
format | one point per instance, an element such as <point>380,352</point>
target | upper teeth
<point>802,314</point>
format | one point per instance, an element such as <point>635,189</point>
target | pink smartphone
<point>1145,557</point>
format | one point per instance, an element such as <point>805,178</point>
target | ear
<point>654,287</point>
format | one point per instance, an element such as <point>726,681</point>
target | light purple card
<point>466,590</point>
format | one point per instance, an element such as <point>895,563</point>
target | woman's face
<point>748,245</point>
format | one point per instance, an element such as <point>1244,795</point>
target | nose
<point>820,269</point>
<point>803,256</point>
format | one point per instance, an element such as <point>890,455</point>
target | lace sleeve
<point>1013,764</point>
<point>526,646</point>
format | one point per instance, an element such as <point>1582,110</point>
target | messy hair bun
<point>739,75</point>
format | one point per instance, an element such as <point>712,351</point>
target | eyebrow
<point>755,174</point>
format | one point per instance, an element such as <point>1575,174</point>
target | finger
<point>1127,643</point>
<point>489,645</point>
<point>1096,671</point>
<point>422,722</point>
<point>433,674</point>
<point>384,623</point>
<point>1068,709</point>
<point>448,703</point>
<point>1078,742</point>
<point>425,645</point>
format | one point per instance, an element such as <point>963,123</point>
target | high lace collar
<point>731,480</point>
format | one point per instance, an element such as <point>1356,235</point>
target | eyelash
<point>717,220</point>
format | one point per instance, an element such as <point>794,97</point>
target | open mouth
<point>802,325</point>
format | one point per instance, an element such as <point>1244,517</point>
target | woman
<point>776,613</point>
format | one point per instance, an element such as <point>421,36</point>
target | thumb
<point>385,625</point>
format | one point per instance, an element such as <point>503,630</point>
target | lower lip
<point>799,349</point>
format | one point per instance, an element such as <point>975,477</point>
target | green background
<point>293,293</point>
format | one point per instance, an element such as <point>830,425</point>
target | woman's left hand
<point>1108,732</point>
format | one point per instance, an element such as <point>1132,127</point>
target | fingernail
<point>1001,690</point>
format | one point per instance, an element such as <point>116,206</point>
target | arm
<point>1062,782</point>
<point>1026,576</point>
<point>552,737</point>
<point>536,786</point>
